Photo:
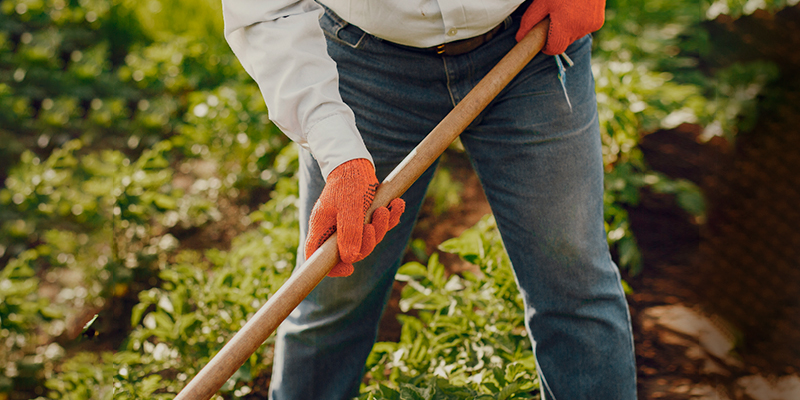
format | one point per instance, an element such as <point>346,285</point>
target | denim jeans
<point>538,156</point>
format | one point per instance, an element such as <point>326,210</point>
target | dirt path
<point>715,308</point>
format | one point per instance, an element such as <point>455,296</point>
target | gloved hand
<point>570,20</point>
<point>342,207</point>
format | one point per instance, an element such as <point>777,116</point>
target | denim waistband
<point>347,26</point>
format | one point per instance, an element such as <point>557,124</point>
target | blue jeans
<point>539,161</point>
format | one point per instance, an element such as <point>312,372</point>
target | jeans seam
<point>548,394</point>
<point>447,76</point>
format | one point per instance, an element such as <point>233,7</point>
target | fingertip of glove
<point>397,206</point>
<point>380,215</point>
<point>554,49</point>
<point>520,35</point>
<point>341,270</point>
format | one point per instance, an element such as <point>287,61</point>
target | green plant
<point>468,338</point>
<point>25,318</point>
<point>99,214</point>
<point>737,8</point>
<point>513,379</point>
<point>107,160</point>
<point>203,300</point>
<point>444,192</point>
<point>86,375</point>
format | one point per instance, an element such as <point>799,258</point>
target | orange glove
<point>342,207</point>
<point>570,20</point>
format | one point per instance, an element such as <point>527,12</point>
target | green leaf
<point>165,202</point>
<point>514,371</point>
<point>388,393</point>
<point>499,376</point>
<point>187,323</point>
<point>410,392</point>
<point>629,255</point>
<point>149,385</point>
<point>138,312</point>
<point>692,201</point>
<point>508,391</point>
<point>468,244</point>
<point>163,321</point>
<point>436,271</point>
<point>412,270</point>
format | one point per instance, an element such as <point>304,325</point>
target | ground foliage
<point>126,130</point>
<point>468,333</point>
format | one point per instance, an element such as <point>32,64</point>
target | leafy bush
<point>87,376</point>
<point>23,313</point>
<point>116,73</point>
<point>83,222</point>
<point>116,134</point>
<point>468,339</point>
<point>204,299</point>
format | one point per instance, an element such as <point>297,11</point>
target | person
<point>357,84</point>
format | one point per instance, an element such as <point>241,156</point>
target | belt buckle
<point>440,49</point>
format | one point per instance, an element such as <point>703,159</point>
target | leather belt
<point>465,45</point>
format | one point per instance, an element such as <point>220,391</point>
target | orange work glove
<point>570,20</point>
<point>342,207</point>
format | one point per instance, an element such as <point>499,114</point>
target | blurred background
<point>147,204</point>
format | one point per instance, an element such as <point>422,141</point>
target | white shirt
<point>280,44</point>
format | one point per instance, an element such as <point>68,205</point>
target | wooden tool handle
<point>225,363</point>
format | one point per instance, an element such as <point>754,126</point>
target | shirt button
<point>452,32</point>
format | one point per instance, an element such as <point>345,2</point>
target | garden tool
<point>253,334</point>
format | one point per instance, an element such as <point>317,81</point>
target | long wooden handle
<point>225,363</point>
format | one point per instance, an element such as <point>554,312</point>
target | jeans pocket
<point>341,31</point>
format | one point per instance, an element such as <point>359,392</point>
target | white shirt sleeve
<point>281,45</point>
